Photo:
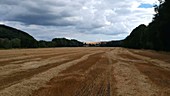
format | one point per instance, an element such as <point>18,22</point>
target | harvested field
<point>84,72</point>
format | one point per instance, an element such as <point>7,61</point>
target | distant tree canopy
<point>156,35</point>
<point>63,42</point>
<point>60,42</point>
<point>117,43</point>
<point>14,38</point>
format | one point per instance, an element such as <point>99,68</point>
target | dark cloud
<point>71,17</point>
<point>9,2</point>
<point>42,19</point>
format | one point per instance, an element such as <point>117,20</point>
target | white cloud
<point>86,20</point>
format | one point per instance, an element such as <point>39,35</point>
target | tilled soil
<point>84,72</point>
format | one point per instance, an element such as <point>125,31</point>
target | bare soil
<point>84,72</point>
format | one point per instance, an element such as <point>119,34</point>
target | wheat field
<point>84,72</point>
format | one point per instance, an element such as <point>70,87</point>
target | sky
<point>84,20</point>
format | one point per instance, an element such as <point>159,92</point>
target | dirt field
<point>84,72</point>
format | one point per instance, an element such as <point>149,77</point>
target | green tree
<point>156,35</point>
<point>5,43</point>
<point>16,43</point>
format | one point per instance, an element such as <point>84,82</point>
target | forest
<point>156,35</point>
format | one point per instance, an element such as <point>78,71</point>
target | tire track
<point>94,72</point>
<point>156,62</point>
<point>97,84</point>
<point>131,82</point>
<point>81,67</point>
<point>24,59</point>
<point>58,83</point>
<point>158,76</point>
<point>19,76</point>
<point>164,56</point>
<point>26,87</point>
<point>151,72</point>
<point>9,69</point>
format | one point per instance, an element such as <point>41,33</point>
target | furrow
<point>26,87</point>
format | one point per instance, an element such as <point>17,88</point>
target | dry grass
<point>84,72</point>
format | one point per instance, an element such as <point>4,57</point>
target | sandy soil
<point>84,72</point>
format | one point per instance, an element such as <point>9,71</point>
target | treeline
<point>60,42</point>
<point>154,36</point>
<point>14,38</point>
<point>117,43</point>
<point>6,43</point>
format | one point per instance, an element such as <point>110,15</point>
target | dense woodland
<point>154,36</point>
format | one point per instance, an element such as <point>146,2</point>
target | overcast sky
<point>85,20</point>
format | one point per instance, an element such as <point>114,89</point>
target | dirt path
<point>84,72</point>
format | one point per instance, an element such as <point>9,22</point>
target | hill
<point>154,36</point>
<point>11,37</point>
<point>14,38</point>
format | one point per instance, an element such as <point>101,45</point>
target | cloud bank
<point>85,20</point>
